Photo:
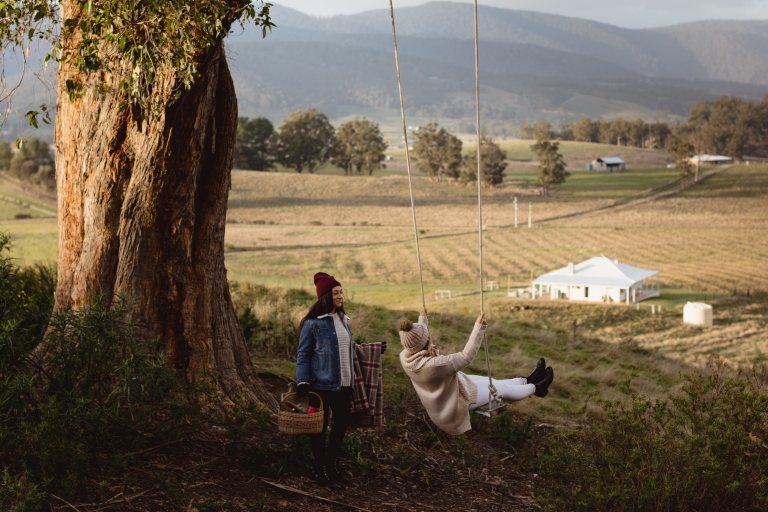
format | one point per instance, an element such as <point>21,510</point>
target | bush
<point>702,449</point>
<point>18,494</point>
<point>72,388</point>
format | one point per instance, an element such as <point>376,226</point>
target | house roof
<point>611,160</point>
<point>598,271</point>
<point>711,158</point>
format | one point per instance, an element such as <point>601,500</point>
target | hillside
<point>683,51</point>
<point>533,66</point>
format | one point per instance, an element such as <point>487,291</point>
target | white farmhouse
<point>598,279</point>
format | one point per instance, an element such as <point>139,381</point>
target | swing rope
<point>494,394</point>
<point>407,155</point>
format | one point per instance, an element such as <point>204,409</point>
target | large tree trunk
<point>142,211</point>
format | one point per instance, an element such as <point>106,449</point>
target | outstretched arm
<point>462,359</point>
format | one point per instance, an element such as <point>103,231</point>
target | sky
<point>623,13</point>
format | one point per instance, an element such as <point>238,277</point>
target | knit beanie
<point>324,282</point>
<point>414,337</point>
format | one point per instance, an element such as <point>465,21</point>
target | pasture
<point>707,243</point>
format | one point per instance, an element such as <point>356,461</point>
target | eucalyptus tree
<point>359,144</point>
<point>305,141</point>
<point>254,144</point>
<point>144,134</point>
<point>437,152</point>
<point>492,163</point>
<point>551,169</point>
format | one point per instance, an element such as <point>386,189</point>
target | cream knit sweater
<point>443,389</point>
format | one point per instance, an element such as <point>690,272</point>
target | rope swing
<point>495,404</point>
<point>407,155</point>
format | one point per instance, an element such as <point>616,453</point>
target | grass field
<point>576,154</point>
<point>283,227</point>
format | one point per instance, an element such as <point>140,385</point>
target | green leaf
<point>32,117</point>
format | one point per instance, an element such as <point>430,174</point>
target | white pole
<point>530,209</point>
<point>515,212</point>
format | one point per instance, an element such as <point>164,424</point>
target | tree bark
<point>142,212</point>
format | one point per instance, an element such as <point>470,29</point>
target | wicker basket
<point>295,423</point>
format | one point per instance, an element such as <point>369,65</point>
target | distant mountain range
<point>533,66</point>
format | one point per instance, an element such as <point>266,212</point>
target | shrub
<point>702,449</point>
<point>72,388</point>
<point>18,494</point>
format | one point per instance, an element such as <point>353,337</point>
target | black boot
<point>321,478</point>
<point>335,473</point>
<point>542,386</point>
<point>537,372</point>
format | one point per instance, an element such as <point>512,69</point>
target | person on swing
<point>446,392</point>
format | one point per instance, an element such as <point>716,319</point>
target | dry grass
<point>284,227</point>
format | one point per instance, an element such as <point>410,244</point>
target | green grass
<point>742,181</point>
<point>32,241</point>
<point>584,365</point>
<point>10,197</point>
<point>591,184</point>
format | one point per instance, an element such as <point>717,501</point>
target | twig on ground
<point>68,503</point>
<point>320,498</point>
<point>147,450</point>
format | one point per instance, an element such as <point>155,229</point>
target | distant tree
<point>253,146</point>
<point>659,133</point>
<point>359,144</point>
<point>566,132</point>
<point>437,152</point>
<point>551,165</point>
<point>305,141</point>
<point>5,156</point>
<point>586,130</point>
<point>537,130</point>
<point>33,163</point>
<point>638,130</point>
<point>682,150</point>
<point>492,163</point>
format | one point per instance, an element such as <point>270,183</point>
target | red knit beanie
<point>324,282</point>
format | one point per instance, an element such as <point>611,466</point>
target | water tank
<point>697,313</point>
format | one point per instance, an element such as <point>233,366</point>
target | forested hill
<point>533,66</point>
<point>734,51</point>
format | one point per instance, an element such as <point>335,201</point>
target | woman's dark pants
<point>338,402</point>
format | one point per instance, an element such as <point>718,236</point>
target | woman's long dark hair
<point>323,306</point>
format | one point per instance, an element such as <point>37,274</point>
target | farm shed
<point>598,279</point>
<point>607,163</point>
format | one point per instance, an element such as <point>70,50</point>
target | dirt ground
<point>413,469</point>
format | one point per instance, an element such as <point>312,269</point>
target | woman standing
<point>324,365</point>
<point>446,392</point>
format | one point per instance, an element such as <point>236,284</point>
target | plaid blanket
<point>367,389</point>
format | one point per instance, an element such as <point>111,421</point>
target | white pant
<point>508,389</point>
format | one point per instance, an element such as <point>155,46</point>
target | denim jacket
<point>318,361</point>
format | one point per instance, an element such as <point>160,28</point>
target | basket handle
<point>291,393</point>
